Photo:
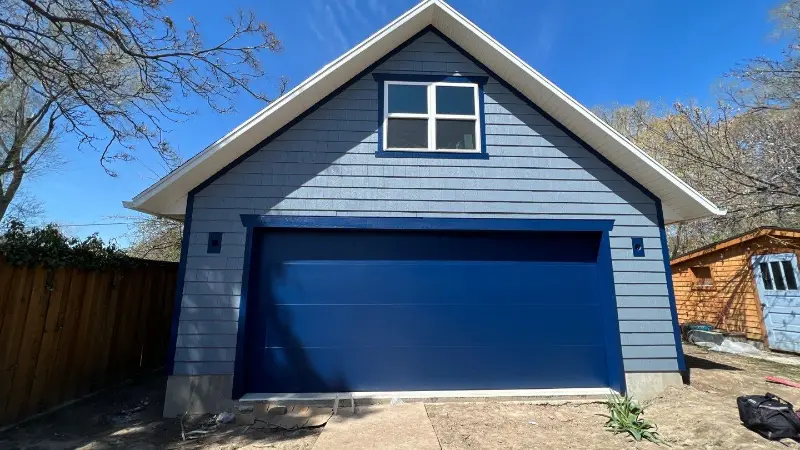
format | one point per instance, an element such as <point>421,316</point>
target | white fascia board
<point>281,111</point>
<point>586,125</point>
<point>168,195</point>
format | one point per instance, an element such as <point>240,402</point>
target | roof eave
<point>616,148</point>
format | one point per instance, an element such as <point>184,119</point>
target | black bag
<point>769,415</point>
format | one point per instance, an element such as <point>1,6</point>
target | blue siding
<point>325,165</point>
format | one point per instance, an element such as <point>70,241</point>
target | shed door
<point>777,279</point>
<point>370,310</point>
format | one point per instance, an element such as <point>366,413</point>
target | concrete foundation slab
<point>646,386</point>
<point>198,394</point>
<point>387,427</point>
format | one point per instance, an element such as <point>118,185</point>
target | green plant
<point>49,247</point>
<point>625,416</point>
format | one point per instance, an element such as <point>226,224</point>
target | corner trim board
<point>239,367</point>
<point>613,343</point>
<point>676,329</point>
<point>169,364</point>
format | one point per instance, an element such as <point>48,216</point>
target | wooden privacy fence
<point>66,332</point>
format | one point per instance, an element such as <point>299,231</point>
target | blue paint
<point>169,364</point>
<point>479,80</point>
<point>330,309</point>
<point>779,307</point>
<point>413,223</point>
<point>637,245</point>
<point>607,293</point>
<point>547,116</point>
<point>240,368</point>
<point>214,242</point>
<point>372,67</point>
<point>346,85</point>
<point>310,110</point>
<point>676,329</point>
<point>431,154</point>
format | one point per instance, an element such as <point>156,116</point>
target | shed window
<point>788,271</point>
<point>766,277</point>
<point>431,116</point>
<point>778,276</point>
<point>702,277</point>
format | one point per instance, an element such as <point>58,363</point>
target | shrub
<point>49,247</point>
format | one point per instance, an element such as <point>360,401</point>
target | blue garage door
<point>370,310</point>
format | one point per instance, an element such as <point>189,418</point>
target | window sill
<point>444,154</point>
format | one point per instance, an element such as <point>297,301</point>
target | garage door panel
<point>460,325</point>
<point>413,368</point>
<point>377,310</point>
<point>367,245</point>
<point>382,282</point>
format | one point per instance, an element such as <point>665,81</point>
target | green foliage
<point>625,416</point>
<point>49,247</point>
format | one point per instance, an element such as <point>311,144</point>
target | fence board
<point>29,344</point>
<point>67,332</point>
<point>101,370</point>
<point>11,334</point>
<point>66,346</point>
<point>49,343</point>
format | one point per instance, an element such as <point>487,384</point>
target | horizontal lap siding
<point>325,165</point>
<point>732,304</point>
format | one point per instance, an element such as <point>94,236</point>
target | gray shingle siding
<point>325,165</point>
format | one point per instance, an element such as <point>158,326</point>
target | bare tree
<point>156,238</point>
<point>764,83</point>
<point>124,64</point>
<point>748,163</point>
<point>28,126</point>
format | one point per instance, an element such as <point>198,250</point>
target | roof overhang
<point>775,232</point>
<point>680,202</point>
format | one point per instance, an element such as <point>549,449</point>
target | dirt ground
<point>130,417</point>
<point>700,416</point>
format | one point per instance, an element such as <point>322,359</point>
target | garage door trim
<point>613,345</point>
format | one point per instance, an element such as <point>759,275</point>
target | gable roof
<point>680,202</point>
<point>732,241</point>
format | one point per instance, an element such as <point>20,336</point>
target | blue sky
<point>601,53</point>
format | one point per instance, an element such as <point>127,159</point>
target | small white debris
<point>396,401</point>
<point>532,422</point>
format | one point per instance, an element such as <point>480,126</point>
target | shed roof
<point>680,202</point>
<point>737,240</point>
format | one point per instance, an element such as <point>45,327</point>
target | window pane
<point>408,98</point>
<point>765,277</point>
<point>788,270</point>
<point>407,133</point>
<point>455,134</point>
<point>455,100</point>
<point>777,275</point>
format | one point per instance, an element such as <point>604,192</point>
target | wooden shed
<point>747,284</point>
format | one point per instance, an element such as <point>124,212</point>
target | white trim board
<point>681,202</point>
<point>491,393</point>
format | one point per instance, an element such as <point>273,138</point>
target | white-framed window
<point>436,116</point>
